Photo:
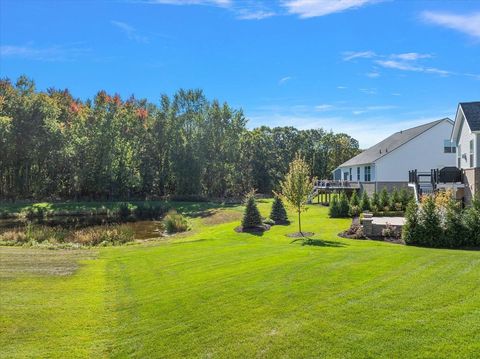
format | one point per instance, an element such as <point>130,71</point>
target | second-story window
<point>350,174</point>
<point>358,173</point>
<point>367,174</point>
<point>448,146</point>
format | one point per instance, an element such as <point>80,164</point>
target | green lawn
<point>216,293</point>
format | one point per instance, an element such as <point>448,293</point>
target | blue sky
<point>367,68</point>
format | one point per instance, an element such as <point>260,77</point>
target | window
<point>358,173</point>
<point>345,176</point>
<point>367,174</point>
<point>459,157</point>
<point>448,147</point>
<point>350,174</point>
<point>471,154</point>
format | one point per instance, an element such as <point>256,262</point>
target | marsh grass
<point>58,237</point>
<point>175,222</point>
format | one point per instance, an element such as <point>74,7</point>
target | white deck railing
<point>330,184</point>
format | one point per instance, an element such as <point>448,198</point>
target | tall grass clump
<point>175,222</point>
<point>57,237</point>
<point>103,235</point>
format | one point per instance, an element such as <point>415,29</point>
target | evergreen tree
<point>343,205</point>
<point>354,200</point>
<point>375,202</point>
<point>365,202</point>
<point>455,234</point>
<point>430,231</point>
<point>472,223</point>
<point>384,199</point>
<point>395,201</point>
<point>278,213</point>
<point>405,197</point>
<point>334,209</point>
<point>410,229</point>
<point>251,217</point>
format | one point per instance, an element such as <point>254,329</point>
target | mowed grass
<point>216,293</point>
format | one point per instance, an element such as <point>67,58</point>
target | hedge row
<point>442,224</point>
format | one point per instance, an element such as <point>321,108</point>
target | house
<point>466,137</point>
<point>387,163</point>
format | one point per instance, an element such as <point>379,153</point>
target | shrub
<point>384,199</point>
<point>344,206</point>
<point>375,202</point>
<point>354,211</point>
<point>269,221</point>
<point>472,223</point>
<point>175,222</point>
<point>389,231</point>
<point>334,209</point>
<point>365,202</point>
<point>410,229</point>
<point>455,233</point>
<point>123,211</point>
<point>35,212</point>
<point>405,197</point>
<point>430,231</point>
<point>355,231</point>
<point>354,200</point>
<point>251,216</point>
<point>278,213</point>
<point>395,198</point>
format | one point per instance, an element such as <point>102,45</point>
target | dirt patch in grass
<point>15,262</point>
<point>222,216</point>
<point>300,234</point>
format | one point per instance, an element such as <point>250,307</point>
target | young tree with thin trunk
<point>297,187</point>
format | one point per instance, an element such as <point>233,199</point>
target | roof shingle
<point>389,144</point>
<point>471,110</point>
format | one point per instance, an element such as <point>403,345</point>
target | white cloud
<point>314,8</point>
<point>285,79</point>
<point>342,87</point>
<point>246,14</point>
<point>130,31</point>
<point>404,66</point>
<point>351,55</point>
<point>468,23</point>
<point>52,53</point>
<point>373,74</point>
<point>410,56</point>
<point>323,107</point>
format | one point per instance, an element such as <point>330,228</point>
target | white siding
<point>465,136</point>
<point>477,142</point>
<point>424,152</point>
<point>362,172</point>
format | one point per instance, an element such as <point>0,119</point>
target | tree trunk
<point>299,223</point>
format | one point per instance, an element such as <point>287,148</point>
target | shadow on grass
<point>306,241</point>
<point>322,243</point>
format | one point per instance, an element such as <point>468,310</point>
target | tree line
<point>56,146</point>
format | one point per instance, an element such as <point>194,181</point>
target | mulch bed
<point>300,235</point>
<point>258,229</point>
